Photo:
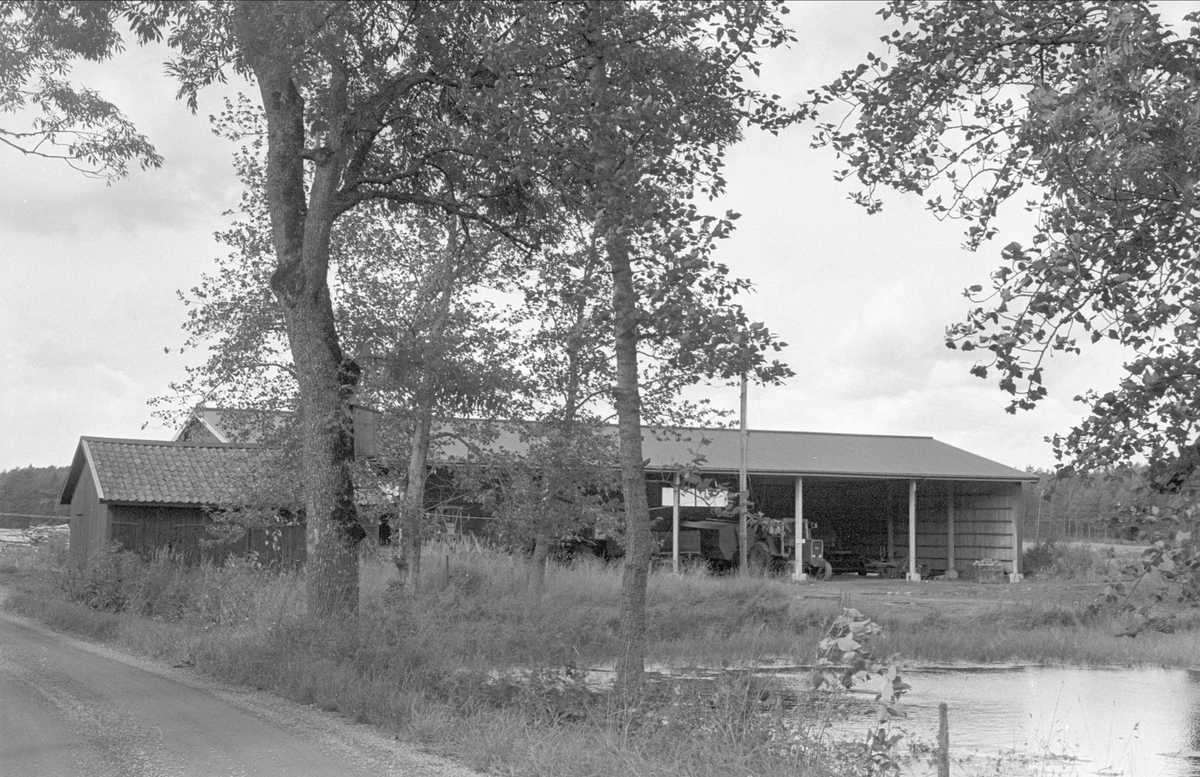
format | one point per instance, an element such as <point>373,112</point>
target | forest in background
<point>1095,506</point>
<point>31,491</point>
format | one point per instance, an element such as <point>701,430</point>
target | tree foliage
<point>513,118</point>
<point>48,115</point>
<point>33,490</point>
<point>1089,108</point>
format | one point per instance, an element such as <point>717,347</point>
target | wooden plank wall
<point>984,514</point>
<point>186,532</point>
<point>89,521</point>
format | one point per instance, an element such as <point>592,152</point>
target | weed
<point>477,667</point>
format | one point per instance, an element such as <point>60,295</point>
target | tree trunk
<point>412,506</point>
<point>301,224</point>
<point>632,659</point>
<point>564,439</point>
<point>543,538</point>
<point>441,286</point>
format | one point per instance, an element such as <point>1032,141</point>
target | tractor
<point>772,545</point>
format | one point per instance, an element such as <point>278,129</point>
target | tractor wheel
<point>822,571</point>
<point>789,569</point>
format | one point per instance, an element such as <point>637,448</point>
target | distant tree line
<point>31,491</point>
<point>1088,506</point>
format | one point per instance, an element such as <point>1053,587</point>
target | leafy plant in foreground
<point>847,656</point>
<point>1166,574</point>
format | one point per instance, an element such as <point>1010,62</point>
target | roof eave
<point>1021,477</point>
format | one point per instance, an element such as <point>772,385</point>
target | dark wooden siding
<point>189,533</point>
<point>89,520</point>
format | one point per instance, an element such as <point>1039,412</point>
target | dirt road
<point>72,708</point>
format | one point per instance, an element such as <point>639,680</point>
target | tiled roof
<point>157,472</point>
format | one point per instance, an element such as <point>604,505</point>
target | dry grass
<point>479,669</point>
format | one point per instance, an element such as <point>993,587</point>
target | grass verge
<point>477,669</point>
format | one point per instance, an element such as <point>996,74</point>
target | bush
<point>1069,561</point>
<point>105,583</point>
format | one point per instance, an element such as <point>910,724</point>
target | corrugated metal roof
<point>818,453</point>
<point>770,452</point>
<point>158,472</point>
<point>800,453</point>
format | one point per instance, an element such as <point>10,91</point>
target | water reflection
<point>1062,721</point>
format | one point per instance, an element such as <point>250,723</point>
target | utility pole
<point>743,490</point>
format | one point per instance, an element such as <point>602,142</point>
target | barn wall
<point>89,520</point>
<point>985,523</point>
<point>186,532</point>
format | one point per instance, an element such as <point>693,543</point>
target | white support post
<point>1018,519</point>
<point>891,516</point>
<point>951,570</point>
<point>798,569</point>
<point>675,528</point>
<point>913,575</point>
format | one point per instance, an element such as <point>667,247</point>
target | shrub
<point>1069,561</point>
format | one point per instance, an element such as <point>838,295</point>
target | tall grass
<point>479,668</point>
<point>476,666</point>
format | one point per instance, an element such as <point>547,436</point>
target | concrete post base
<point>913,577</point>
<point>951,574</point>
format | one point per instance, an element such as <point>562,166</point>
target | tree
<point>33,490</point>
<point>507,116</point>
<point>627,168</point>
<point>362,102</point>
<point>406,300</point>
<point>1090,107</point>
<point>54,118</point>
<point>411,309</point>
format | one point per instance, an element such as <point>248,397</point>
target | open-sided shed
<point>937,507</point>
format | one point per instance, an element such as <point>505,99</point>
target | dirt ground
<point>951,597</point>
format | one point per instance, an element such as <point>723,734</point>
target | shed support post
<point>913,575</point>
<point>951,569</point>
<point>1018,521</point>
<point>675,527</point>
<point>891,520</point>
<point>798,567</point>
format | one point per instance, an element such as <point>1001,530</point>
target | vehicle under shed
<point>908,503</point>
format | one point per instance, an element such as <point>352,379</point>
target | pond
<point>1068,722</point>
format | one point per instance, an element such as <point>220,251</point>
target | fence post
<point>943,752</point>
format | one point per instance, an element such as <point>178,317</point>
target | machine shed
<point>911,502</point>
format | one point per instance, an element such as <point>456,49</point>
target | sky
<point>90,320</point>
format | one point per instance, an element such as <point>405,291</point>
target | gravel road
<point>69,708</point>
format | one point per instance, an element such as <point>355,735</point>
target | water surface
<point>1060,721</point>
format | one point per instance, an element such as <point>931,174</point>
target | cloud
<point>195,183</point>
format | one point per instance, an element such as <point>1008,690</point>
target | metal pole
<point>675,528</point>
<point>798,570</point>
<point>913,574</point>
<point>743,489</point>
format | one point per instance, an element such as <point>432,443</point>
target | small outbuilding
<point>148,495</point>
